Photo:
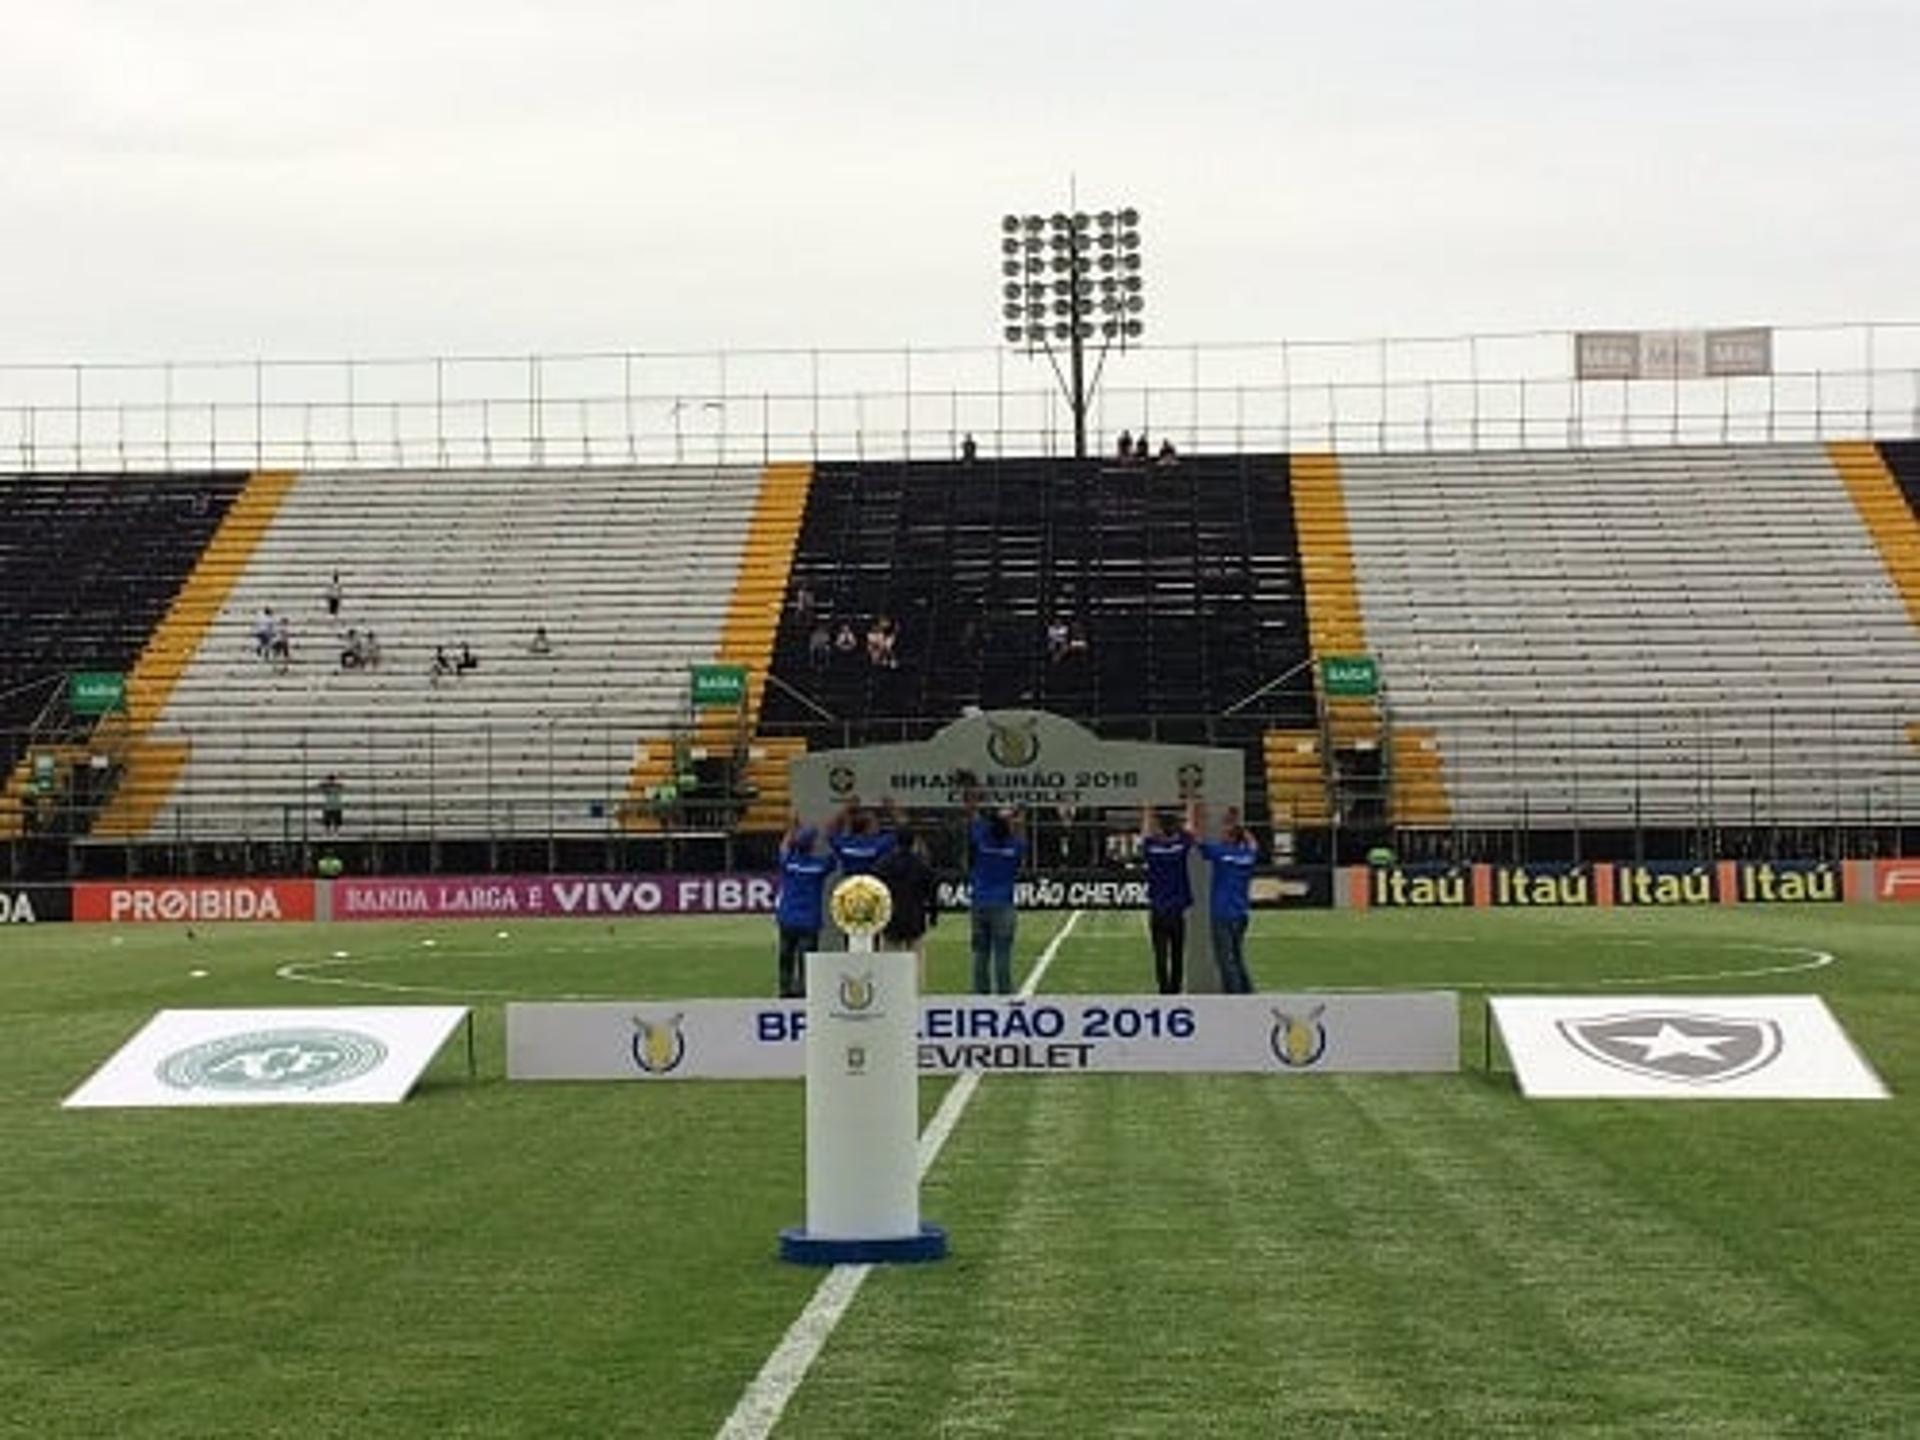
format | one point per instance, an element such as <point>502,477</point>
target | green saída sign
<point>717,687</point>
<point>95,692</point>
<point>1350,676</point>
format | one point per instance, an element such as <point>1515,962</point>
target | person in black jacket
<point>916,897</point>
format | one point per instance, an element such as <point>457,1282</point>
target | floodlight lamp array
<point>1069,277</point>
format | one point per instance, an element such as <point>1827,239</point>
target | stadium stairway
<point>1183,582</point>
<point>629,569</point>
<point>1666,638</point>
<point>746,640</point>
<point>88,566</point>
<point>1884,483</point>
<point>1353,727</point>
<point>152,767</point>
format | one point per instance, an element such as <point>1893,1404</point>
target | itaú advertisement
<point>1653,884</point>
<point>137,902</point>
<point>558,897</point>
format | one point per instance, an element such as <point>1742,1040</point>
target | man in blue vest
<point>1232,857</point>
<point>996,846</point>
<point>859,840</point>
<point>797,912</point>
<point>1165,845</point>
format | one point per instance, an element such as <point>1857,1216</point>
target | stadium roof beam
<point>1066,280</point>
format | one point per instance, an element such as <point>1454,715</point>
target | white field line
<point>765,1399</point>
<point>1815,960</point>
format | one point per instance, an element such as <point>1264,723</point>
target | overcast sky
<point>259,177</point>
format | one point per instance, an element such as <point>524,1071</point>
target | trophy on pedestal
<point>863,1096</point>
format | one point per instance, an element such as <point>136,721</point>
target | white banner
<point>1672,354</point>
<point>764,1039</point>
<point>348,1055</point>
<point>1682,1047</point>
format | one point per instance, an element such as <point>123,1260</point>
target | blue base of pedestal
<point>800,1248</point>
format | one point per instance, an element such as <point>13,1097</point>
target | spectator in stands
<point>1076,640</point>
<point>797,911</point>
<point>845,642</point>
<point>263,629</point>
<point>370,650</point>
<point>969,451</point>
<point>333,596</point>
<point>881,639</point>
<point>1123,448</point>
<point>442,663</point>
<point>1165,845</point>
<point>1168,456</point>
<point>995,846</point>
<point>282,641</point>
<point>332,804</point>
<point>352,657</point>
<point>820,644</point>
<point>973,646</point>
<point>467,658</point>
<point>858,839</point>
<point>1232,857</point>
<point>1140,449</point>
<point>804,603</point>
<point>540,644</point>
<point>1056,639</point>
<point>916,898</point>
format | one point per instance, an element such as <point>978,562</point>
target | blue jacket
<point>803,875</point>
<point>857,853</point>
<point>1232,878</point>
<point>995,863</point>
<point>1169,891</point>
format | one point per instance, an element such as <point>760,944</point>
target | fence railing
<point>1490,391</point>
<point>1805,781</point>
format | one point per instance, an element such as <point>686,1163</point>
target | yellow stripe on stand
<point>1888,518</point>
<point>1334,622</point>
<point>153,767</point>
<point>1419,783</point>
<point>1337,626</point>
<point>1296,779</point>
<point>1885,512</point>
<point>746,638</point>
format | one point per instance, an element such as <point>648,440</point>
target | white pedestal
<point>863,1111</point>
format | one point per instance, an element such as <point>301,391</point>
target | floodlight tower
<point>1065,279</point>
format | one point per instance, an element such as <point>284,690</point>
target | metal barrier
<point>1728,785</point>
<point>1489,391</point>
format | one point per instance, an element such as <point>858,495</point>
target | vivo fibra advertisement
<point>555,896</point>
<point>1412,1032</point>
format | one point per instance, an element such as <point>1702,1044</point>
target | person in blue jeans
<point>996,847</point>
<point>1232,857</point>
<point>797,912</point>
<point>1165,844</point>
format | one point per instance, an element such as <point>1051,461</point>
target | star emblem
<point>1669,1040</point>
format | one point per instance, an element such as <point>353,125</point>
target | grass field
<point>1133,1255</point>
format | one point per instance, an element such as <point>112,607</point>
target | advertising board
<point>1273,1034</point>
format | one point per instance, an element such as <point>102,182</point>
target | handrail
<point>1514,389</point>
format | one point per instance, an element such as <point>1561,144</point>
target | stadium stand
<point>630,571</point>
<point>1663,638</point>
<point>88,566</point>
<point>1621,639</point>
<point>1176,591</point>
